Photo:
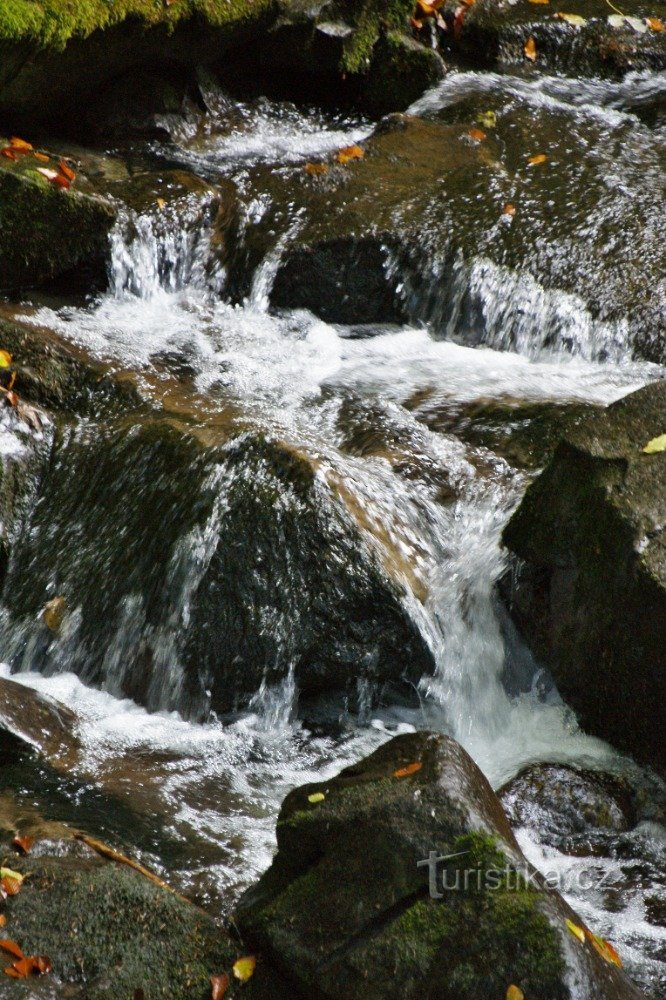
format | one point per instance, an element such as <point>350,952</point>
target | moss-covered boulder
<point>601,43</point>
<point>419,229</point>
<point>361,899</point>
<point>588,582</point>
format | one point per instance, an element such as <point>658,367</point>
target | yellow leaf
<point>575,930</point>
<point>54,613</point>
<point>244,968</point>
<point>476,134</point>
<point>574,19</point>
<point>316,797</point>
<point>530,49</point>
<point>655,23</point>
<point>161,203</point>
<point>539,158</point>
<point>5,359</point>
<point>350,153</point>
<point>655,445</point>
<point>316,168</point>
<point>540,1</point>
<point>404,772</point>
<point>487,118</point>
<point>515,993</point>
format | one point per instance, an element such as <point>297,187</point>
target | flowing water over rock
<point>363,472</point>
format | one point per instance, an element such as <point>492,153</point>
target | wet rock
<point>556,800</point>
<point>587,587</point>
<point>38,722</point>
<point>139,105</point>
<point>345,907</point>
<point>45,231</point>
<point>494,34</point>
<point>401,70</point>
<point>417,230</point>
<point>198,561</point>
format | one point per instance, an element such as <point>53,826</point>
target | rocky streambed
<point>332,498</point>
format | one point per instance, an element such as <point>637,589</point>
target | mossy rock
<point>589,590</point>
<point>345,909</point>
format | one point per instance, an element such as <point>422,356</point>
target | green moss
<point>369,17</point>
<point>54,22</point>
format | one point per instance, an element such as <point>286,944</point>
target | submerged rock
<point>345,909</point>
<point>419,229</point>
<point>587,587</point>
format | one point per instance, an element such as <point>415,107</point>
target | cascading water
<point>369,414</point>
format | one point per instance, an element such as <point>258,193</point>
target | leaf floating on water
<point>404,772</point>
<point>23,844</point>
<point>161,203</point>
<point>487,118</point>
<point>606,950</point>
<point>530,49</point>
<point>244,968</point>
<point>509,210</point>
<point>316,168</point>
<point>219,986</point>
<point>316,797</point>
<point>655,445</point>
<point>5,359</point>
<point>54,612</point>
<point>574,19</point>
<point>539,158</point>
<point>476,134</point>
<point>575,930</point>
<point>655,24</point>
<point>350,153</point>
<point>11,948</point>
<point>514,993</point>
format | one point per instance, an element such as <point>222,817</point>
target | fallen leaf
<point>8,153</point>
<point>11,971</point>
<point>530,49</point>
<point>539,158</point>
<point>487,118</point>
<point>161,203</point>
<point>17,143</point>
<point>514,993</point>
<point>10,886</point>
<point>54,613</point>
<point>655,23</point>
<point>10,873</point>
<point>404,772</point>
<point>635,22</point>
<point>24,844</point>
<point>48,173</point>
<point>11,948</point>
<point>244,968</point>
<point>67,171</point>
<point>606,950</point>
<point>415,23</point>
<point>32,965</point>
<point>616,20</point>
<point>476,134</point>
<point>12,398</point>
<point>316,168</point>
<point>575,930</point>
<point>574,19</point>
<point>42,157</point>
<point>316,797</point>
<point>350,153</point>
<point>41,964</point>
<point>61,182</point>
<point>3,920</point>
<point>655,445</point>
<point>5,359</point>
<point>219,986</point>
<point>509,209</point>
<point>540,1</point>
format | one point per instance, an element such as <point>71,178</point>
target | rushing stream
<point>381,416</point>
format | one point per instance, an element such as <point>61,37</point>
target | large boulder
<point>587,585</point>
<point>357,904</point>
<point>418,229</point>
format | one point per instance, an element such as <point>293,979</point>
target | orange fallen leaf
<point>477,134</point>
<point>539,158</point>
<point>244,968</point>
<point>605,949</point>
<point>3,920</point>
<point>530,49</point>
<point>42,157</point>
<point>514,993</point>
<point>314,169</point>
<point>11,886</point>
<point>655,23</point>
<point>509,209</point>
<point>67,171</point>
<point>350,153</point>
<point>219,986</point>
<point>404,772</point>
<point>24,844</point>
<point>11,948</point>
<point>17,143</point>
<point>415,23</point>
<point>62,182</point>
<point>8,153</point>
<point>33,965</point>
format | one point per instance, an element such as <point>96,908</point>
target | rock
<point>38,722</point>
<point>557,800</point>
<point>45,231</point>
<point>494,34</point>
<point>198,560</point>
<point>416,231</point>
<point>400,71</point>
<point>587,587</point>
<point>345,908</point>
